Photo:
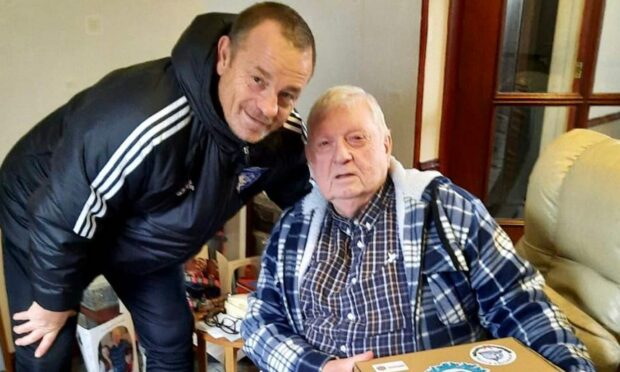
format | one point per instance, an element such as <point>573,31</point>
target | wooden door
<point>520,73</point>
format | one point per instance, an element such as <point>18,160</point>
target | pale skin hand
<point>347,364</point>
<point>40,324</point>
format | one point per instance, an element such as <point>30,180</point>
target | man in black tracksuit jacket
<point>134,174</point>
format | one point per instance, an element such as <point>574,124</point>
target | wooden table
<point>230,350</point>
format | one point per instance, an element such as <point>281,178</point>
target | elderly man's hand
<point>40,324</point>
<point>339,365</point>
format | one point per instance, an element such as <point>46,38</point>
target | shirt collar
<point>369,214</point>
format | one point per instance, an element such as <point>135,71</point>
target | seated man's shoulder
<point>446,187</point>
<point>451,195</point>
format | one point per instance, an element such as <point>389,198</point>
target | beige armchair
<point>572,235</point>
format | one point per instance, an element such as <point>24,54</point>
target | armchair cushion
<point>572,235</point>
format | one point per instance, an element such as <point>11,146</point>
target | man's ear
<point>387,143</point>
<point>223,54</point>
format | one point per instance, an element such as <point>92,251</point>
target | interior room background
<point>51,50</point>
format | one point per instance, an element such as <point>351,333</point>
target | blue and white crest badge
<point>456,367</point>
<point>248,176</point>
<point>493,355</point>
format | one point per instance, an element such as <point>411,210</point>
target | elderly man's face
<point>261,83</point>
<point>349,156</point>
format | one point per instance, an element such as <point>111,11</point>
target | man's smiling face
<point>260,80</point>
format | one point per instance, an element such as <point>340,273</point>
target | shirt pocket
<point>453,297</point>
<point>330,272</point>
<point>380,301</point>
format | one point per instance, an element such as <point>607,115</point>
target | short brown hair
<point>294,27</point>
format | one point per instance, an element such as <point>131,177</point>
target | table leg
<point>201,350</point>
<point>230,359</point>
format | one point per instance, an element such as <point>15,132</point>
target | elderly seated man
<point>380,260</point>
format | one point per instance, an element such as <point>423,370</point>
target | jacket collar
<point>194,59</point>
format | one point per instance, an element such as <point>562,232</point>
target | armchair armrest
<point>603,347</point>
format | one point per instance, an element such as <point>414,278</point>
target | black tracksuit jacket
<point>138,171</point>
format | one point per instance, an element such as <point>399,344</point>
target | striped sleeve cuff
<point>313,361</point>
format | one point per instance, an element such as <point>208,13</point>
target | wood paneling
<point>420,93</point>
<point>473,40</point>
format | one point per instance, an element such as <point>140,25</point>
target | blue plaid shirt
<point>477,289</point>
<point>343,312</point>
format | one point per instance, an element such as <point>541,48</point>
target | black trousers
<point>157,303</point>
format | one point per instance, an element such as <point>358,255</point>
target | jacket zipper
<point>246,153</point>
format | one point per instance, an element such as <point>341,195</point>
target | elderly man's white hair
<point>345,96</point>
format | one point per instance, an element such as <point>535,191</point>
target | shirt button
<point>368,225</point>
<point>360,244</point>
<point>353,280</point>
<point>351,317</point>
<point>343,348</point>
<point>356,222</point>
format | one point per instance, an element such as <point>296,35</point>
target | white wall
<point>50,50</point>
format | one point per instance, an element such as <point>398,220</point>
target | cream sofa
<point>572,235</point>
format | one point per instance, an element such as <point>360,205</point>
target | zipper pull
<point>246,153</point>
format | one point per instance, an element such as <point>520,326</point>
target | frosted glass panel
<point>521,132</point>
<point>605,119</point>
<point>539,45</point>
<point>607,76</point>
